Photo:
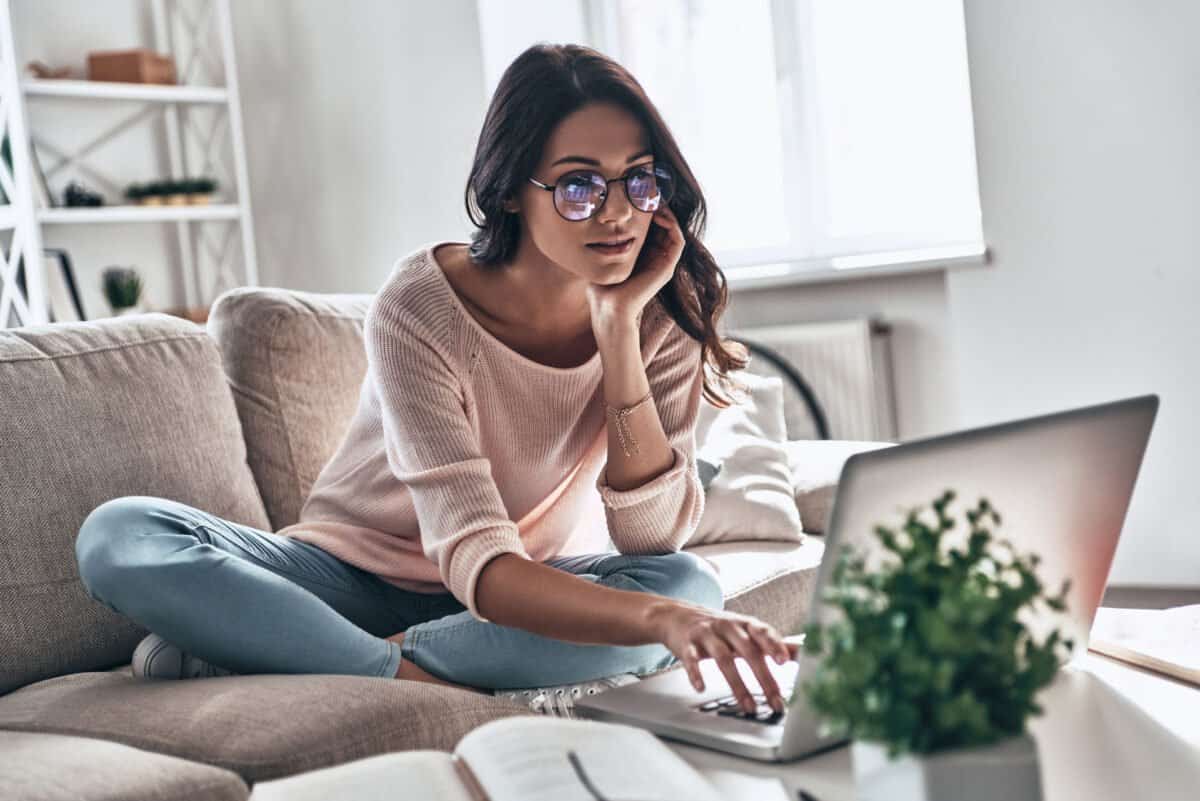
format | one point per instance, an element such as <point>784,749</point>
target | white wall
<point>1087,122</point>
<point>361,123</point>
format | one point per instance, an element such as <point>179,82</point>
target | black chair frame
<point>797,380</point>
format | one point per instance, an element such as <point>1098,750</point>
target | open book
<point>525,758</point>
<point>1163,640</point>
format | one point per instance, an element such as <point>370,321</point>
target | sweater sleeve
<point>661,515</point>
<point>432,449</point>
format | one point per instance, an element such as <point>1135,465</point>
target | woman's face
<point>608,139</point>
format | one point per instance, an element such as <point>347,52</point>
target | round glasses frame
<point>664,188</point>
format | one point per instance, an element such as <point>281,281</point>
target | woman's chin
<point>612,271</point>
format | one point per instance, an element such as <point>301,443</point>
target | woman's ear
<point>511,206</point>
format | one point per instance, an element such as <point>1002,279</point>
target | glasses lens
<point>649,187</point>
<point>578,194</point>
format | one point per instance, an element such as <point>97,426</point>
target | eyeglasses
<point>580,194</point>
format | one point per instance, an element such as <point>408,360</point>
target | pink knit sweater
<point>462,449</point>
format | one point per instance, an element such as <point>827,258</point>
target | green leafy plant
<point>168,186</point>
<point>122,287</point>
<point>926,652</point>
<point>200,186</point>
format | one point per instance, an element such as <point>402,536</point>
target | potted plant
<point>186,191</point>
<point>200,190</point>
<point>146,194</point>
<point>175,192</point>
<point>137,193</point>
<point>924,663</point>
<point>76,194</point>
<point>123,290</point>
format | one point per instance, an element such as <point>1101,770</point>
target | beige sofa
<point>237,419</point>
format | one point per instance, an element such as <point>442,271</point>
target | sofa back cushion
<point>296,363</point>
<point>89,412</point>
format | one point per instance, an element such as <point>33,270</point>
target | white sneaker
<point>155,658</point>
<point>560,700</point>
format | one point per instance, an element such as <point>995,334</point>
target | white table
<point>1110,731</point>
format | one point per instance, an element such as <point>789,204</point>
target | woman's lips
<point>613,250</point>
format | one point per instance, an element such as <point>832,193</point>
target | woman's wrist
<point>656,617</point>
<point>615,328</point>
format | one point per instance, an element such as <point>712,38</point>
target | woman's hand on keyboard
<point>694,632</point>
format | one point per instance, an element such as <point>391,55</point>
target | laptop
<point>1061,482</point>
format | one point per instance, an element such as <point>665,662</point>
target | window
<point>826,134</point>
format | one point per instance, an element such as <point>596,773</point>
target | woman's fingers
<point>748,648</point>
<point>769,641</point>
<point>691,663</point>
<point>723,656</point>
<point>723,637</point>
<point>756,648</point>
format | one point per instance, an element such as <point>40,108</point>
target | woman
<point>510,381</point>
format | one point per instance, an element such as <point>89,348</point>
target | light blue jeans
<point>252,601</point>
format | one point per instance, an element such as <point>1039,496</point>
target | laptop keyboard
<point>731,708</point>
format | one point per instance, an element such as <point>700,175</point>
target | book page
<point>1165,640</point>
<point>562,759</point>
<point>403,774</point>
<point>735,784</point>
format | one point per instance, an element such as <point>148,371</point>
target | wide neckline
<point>488,335</point>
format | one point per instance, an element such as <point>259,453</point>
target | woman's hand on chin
<point>621,305</point>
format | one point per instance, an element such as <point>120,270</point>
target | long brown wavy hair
<point>542,86</point>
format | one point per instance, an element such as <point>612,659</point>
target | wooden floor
<point>1150,597</point>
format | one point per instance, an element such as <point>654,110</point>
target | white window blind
<point>826,134</point>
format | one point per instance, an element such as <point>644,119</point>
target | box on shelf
<point>139,65</point>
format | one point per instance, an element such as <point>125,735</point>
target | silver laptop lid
<point>1061,483</point>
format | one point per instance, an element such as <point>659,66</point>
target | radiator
<point>848,365</point>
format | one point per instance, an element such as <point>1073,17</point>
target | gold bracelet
<point>624,435</point>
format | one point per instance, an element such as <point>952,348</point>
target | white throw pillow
<point>750,497</point>
<point>816,467</point>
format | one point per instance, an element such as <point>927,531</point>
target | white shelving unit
<point>99,90</point>
<point>181,30</point>
<point>128,214</point>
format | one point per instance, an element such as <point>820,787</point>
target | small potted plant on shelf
<point>123,290</point>
<point>77,194</point>
<point>923,662</point>
<point>200,190</point>
<point>187,191</point>
<point>175,192</point>
<point>146,194</point>
<point>137,194</point>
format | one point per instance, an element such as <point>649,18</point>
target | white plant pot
<point>138,309</point>
<point>1004,771</point>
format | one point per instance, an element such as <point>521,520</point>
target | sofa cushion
<point>751,497</point>
<point>134,405</point>
<point>816,468</point>
<point>54,767</point>
<point>258,726</point>
<point>296,364</point>
<point>772,581</point>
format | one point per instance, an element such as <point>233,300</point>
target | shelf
<point>128,214</point>
<point>109,90</point>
